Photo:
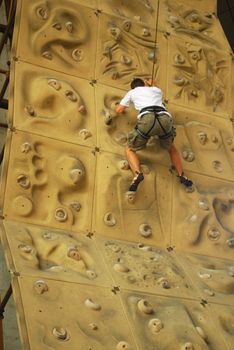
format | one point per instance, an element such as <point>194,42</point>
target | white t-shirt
<point>143,96</point>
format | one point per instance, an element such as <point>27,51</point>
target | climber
<point>152,119</point>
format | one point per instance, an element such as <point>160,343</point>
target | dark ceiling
<point>225,10</point>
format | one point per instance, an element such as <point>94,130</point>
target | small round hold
<point>152,56</point>
<point>78,55</point>
<point>60,215</point>
<point>25,248</point>
<point>188,155</point>
<point>179,59</point>
<point>144,306</point>
<point>71,95</point>
<point>230,242</point>
<point>146,32</point>
<point>93,326</point>
<point>48,55</point>
<point>202,136</point>
<point>75,205</point>
<point>91,274</point>
<point>30,110</point>
<point>23,181</point>
<point>25,147</point>
<point>60,334</point>
<point>109,219</point>
<point>130,197</point>
<point>122,345</point>
<point>127,25</point>
<point>145,230</point>
<point>116,32</point>
<point>213,234</point>
<point>85,134</point>
<point>69,26</point>
<point>92,305</point>
<point>55,84</point>
<point>163,282</point>
<point>77,174</point>
<point>187,346</point>
<point>123,164</point>
<point>82,109</point>
<point>40,287</point>
<point>121,268</point>
<point>49,236</point>
<point>42,13</point>
<point>155,325</point>
<point>73,253</point>
<point>217,165</point>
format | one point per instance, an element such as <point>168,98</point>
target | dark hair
<point>137,82</point>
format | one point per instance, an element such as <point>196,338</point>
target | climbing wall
<point>93,269</point>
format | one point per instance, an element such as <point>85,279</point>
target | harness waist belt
<point>155,109</point>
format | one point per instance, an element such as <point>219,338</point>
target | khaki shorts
<point>146,123</point>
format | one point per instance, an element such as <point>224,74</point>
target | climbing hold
<point>48,55</point>
<point>122,345</point>
<point>61,215</point>
<point>75,205</point>
<point>69,26</point>
<point>25,147</point>
<point>109,219</point>
<point>78,55</point>
<point>42,13</point>
<point>85,134</point>
<point>55,84</point>
<point>93,326</point>
<point>23,181</point>
<point>30,110</point>
<point>40,287</point>
<point>91,274</point>
<point>145,230</point>
<point>121,268</point>
<point>187,346</point>
<point>60,334</point>
<point>213,234</point>
<point>74,253</point>
<point>57,26</point>
<point>144,306</point>
<point>155,325</point>
<point>203,204</point>
<point>92,305</point>
<point>71,95</point>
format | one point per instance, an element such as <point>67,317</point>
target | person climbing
<point>152,119</point>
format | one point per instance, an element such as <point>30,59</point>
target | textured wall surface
<point>92,269</point>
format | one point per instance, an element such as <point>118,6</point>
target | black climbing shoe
<point>185,181</point>
<point>137,179</point>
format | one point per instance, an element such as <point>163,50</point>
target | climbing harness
<point>157,110</point>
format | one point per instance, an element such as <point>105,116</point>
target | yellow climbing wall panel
<point>92,269</point>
